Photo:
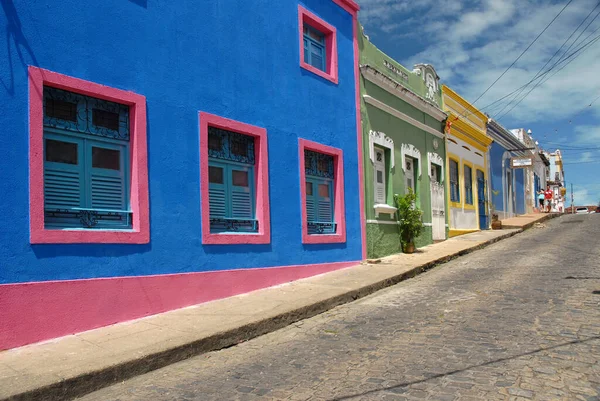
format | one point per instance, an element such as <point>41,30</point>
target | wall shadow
<point>14,36</point>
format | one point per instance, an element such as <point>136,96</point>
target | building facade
<point>507,183</point>
<point>536,173</point>
<point>467,147</point>
<point>403,147</point>
<point>557,182</point>
<point>153,169</point>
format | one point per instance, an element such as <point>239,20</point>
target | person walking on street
<point>541,198</point>
<point>548,196</point>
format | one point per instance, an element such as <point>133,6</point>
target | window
<point>468,185</point>
<point>318,45</point>
<point>409,174</point>
<point>86,152</point>
<point>234,182</point>
<point>379,165</point>
<point>454,186</point>
<point>322,193</point>
<point>436,173</point>
<point>231,181</point>
<point>314,48</point>
<point>319,193</point>
<point>88,162</point>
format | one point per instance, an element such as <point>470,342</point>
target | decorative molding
<point>395,222</point>
<point>390,110</point>
<point>412,151</point>
<point>397,89</point>
<point>381,139</point>
<point>434,158</point>
<point>385,209</point>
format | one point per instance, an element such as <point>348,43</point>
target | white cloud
<point>471,49</point>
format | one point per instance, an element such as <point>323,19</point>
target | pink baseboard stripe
<point>38,311</point>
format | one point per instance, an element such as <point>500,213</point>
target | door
<point>481,199</point>
<point>438,207</point>
<point>509,194</point>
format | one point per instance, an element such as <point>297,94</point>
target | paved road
<point>518,320</point>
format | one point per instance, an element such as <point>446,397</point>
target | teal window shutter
<point>325,197</point>
<point>311,202</point>
<point>217,192</point>
<point>107,183</point>
<point>63,179</point>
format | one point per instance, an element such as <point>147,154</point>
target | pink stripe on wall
<point>33,312</point>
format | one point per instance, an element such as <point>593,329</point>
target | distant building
<point>536,174</point>
<point>467,147</point>
<point>507,182</point>
<point>557,181</point>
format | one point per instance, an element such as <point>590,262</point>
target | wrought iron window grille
<point>318,164</point>
<point>224,224</point>
<point>89,218</point>
<point>229,145</point>
<point>85,114</point>
<point>317,227</point>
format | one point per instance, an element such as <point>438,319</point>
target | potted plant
<point>410,219</point>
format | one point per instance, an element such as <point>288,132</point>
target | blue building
<point>160,155</point>
<point>507,183</point>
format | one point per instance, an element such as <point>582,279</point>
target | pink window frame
<point>338,193</point>
<point>261,155</point>
<point>306,17</point>
<point>140,231</point>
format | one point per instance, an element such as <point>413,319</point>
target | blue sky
<point>471,43</point>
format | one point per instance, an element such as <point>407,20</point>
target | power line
<point>591,42</point>
<point>583,47</point>
<point>537,75</point>
<point>584,109</point>
<point>573,54</point>
<point>524,51</point>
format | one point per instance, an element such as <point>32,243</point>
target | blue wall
<point>235,58</point>
<point>496,153</point>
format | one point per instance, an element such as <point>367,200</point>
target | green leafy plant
<point>410,218</point>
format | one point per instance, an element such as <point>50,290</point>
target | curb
<point>92,381</point>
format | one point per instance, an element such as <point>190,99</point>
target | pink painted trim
<point>348,5</point>
<point>338,194</point>
<point>261,181</point>
<point>140,233</point>
<point>306,17</point>
<point>33,312</point>
<point>359,140</point>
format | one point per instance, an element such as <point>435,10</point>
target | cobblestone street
<point>518,320</point>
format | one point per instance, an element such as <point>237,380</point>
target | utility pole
<point>572,199</point>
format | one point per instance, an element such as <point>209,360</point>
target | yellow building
<point>467,146</point>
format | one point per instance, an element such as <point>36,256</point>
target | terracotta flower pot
<point>409,247</point>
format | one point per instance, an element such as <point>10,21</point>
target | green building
<point>403,146</point>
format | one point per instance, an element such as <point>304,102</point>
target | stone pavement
<point>518,320</point>
<point>81,363</point>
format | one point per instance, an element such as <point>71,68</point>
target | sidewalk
<point>527,220</point>
<point>75,365</point>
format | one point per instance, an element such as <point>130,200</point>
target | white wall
<point>461,218</point>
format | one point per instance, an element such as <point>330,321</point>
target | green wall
<point>383,239</point>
